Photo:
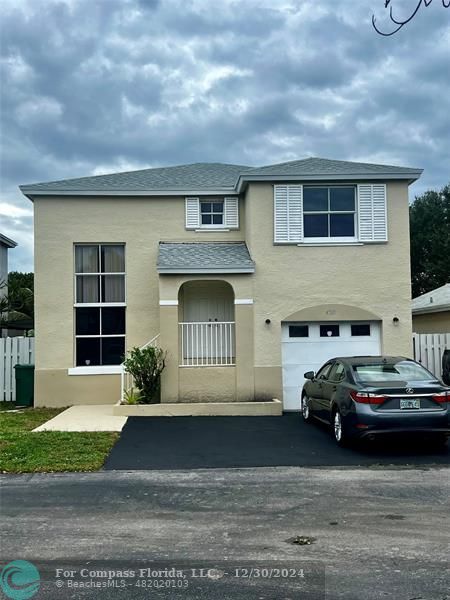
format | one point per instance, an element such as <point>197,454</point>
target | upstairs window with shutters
<point>212,213</point>
<point>330,214</point>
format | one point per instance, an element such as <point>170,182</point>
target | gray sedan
<point>368,396</point>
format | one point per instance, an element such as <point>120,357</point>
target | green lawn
<point>22,451</point>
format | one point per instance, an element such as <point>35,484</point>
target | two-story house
<point>249,276</point>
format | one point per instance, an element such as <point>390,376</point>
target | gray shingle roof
<point>197,176</point>
<point>201,178</point>
<point>434,301</point>
<point>6,241</point>
<point>324,166</point>
<point>204,257</point>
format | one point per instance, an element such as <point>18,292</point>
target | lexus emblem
<point>409,391</point>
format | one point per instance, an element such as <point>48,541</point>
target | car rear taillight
<point>365,398</point>
<point>442,397</point>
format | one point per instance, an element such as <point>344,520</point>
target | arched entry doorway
<point>207,326</point>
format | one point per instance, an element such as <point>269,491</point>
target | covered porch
<point>206,322</point>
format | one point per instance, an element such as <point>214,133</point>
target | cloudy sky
<point>96,86</point>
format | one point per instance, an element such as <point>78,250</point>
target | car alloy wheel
<point>338,428</point>
<point>306,414</point>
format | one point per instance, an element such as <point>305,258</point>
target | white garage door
<point>306,346</point>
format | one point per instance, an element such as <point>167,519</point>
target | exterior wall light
<point>396,320</point>
<point>267,321</point>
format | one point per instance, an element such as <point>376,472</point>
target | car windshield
<point>404,370</point>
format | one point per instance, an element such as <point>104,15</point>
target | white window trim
<point>330,240</point>
<point>207,228</point>
<point>101,336</point>
<point>96,370</point>
<point>334,241</point>
<point>331,243</point>
<point>212,201</point>
<point>214,227</point>
<point>102,273</point>
<point>99,304</point>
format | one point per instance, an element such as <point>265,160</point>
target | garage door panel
<point>300,351</point>
<point>310,353</point>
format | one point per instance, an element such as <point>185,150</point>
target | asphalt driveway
<point>173,443</point>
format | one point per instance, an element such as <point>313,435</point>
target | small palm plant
<point>145,365</point>
<point>131,396</point>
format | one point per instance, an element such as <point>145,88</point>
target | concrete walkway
<point>96,417</point>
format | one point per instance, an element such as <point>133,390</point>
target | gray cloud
<point>95,86</point>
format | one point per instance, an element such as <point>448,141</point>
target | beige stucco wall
<point>53,387</point>
<point>375,278</point>
<point>438,322</point>
<point>140,223</point>
<point>207,384</point>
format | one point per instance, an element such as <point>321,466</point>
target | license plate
<point>409,403</point>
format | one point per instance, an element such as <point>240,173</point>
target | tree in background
<point>429,217</point>
<point>17,298</point>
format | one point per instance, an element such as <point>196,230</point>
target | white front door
<point>203,306</point>
<point>208,304</point>
<point>307,346</point>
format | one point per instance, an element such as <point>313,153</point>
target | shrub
<point>146,365</point>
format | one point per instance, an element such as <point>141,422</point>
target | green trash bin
<point>24,385</point>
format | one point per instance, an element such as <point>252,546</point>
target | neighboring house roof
<point>204,257</point>
<point>6,241</point>
<point>437,300</point>
<point>210,178</point>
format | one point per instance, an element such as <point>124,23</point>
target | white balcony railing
<point>207,344</point>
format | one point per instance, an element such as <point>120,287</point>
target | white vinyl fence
<point>13,351</point>
<point>429,348</point>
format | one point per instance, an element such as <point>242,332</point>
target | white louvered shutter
<point>372,212</point>
<point>231,212</point>
<point>288,213</point>
<point>295,213</point>
<point>379,213</point>
<point>192,213</point>
<point>281,213</point>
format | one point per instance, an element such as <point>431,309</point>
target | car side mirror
<point>309,375</point>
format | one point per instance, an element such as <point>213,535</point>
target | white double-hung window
<point>99,304</point>
<point>212,213</point>
<point>330,214</point>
